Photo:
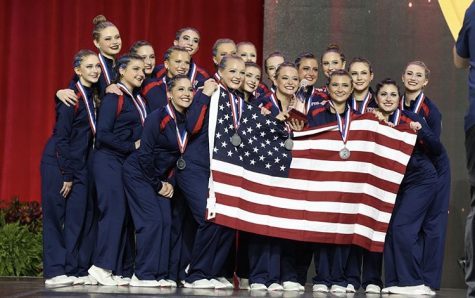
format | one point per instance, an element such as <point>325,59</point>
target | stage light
<point>410,4</point>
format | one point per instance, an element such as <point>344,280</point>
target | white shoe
<point>217,284</point>
<point>412,290</point>
<point>77,280</point>
<point>350,288</point>
<point>373,289</point>
<point>135,282</point>
<point>60,280</point>
<point>172,283</point>
<point>337,289</point>
<point>200,284</point>
<point>103,277</point>
<point>258,287</point>
<point>291,286</point>
<point>226,282</point>
<point>164,283</point>
<point>320,288</point>
<point>386,290</point>
<point>121,281</point>
<point>301,288</point>
<point>275,287</point>
<point>244,284</point>
<point>89,280</point>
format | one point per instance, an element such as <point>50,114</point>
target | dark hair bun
<point>99,19</point>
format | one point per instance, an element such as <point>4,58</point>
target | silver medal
<point>181,163</point>
<point>345,153</point>
<point>236,140</point>
<point>289,144</point>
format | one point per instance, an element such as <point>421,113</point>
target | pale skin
<point>460,62</point>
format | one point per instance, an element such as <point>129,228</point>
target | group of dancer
<point>125,173</point>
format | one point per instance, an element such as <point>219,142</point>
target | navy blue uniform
<point>435,223</point>
<point>119,126</point>
<point>65,160</point>
<point>155,93</point>
<point>196,74</point>
<point>212,242</point>
<point>402,248</point>
<point>144,172</point>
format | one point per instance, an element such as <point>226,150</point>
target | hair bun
<point>334,47</point>
<point>99,19</point>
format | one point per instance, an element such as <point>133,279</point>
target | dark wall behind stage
<point>40,37</point>
<point>389,33</point>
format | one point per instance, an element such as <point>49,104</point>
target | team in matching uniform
<point>127,168</point>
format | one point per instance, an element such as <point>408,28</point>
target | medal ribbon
<point>395,118</point>
<point>90,110</point>
<point>308,103</point>
<point>182,138</point>
<point>417,106</point>
<point>104,69</point>
<point>138,102</point>
<point>236,109</point>
<point>343,126</point>
<point>364,103</point>
<point>276,103</point>
<point>192,72</point>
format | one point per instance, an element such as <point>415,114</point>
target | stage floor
<point>34,287</point>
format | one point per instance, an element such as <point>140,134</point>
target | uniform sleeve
<point>434,120</point>
<point>62,136</point>
<point>155,97</point>
<point>196,114</point>
<point>147,155</point>
<point>463,41</point>
<point>105,136</point>
<point>429,140</point>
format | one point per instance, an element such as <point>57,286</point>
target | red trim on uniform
<point>161,73</point>
<point>318,111</point>
<point>268,105</point>
<point>264,87</point>
<point>151,85</point>
<point>426,109</point>
<point>202,71</point>
<point>164,122</point>
<point>201,118</point>
<point>120,103</point>
<point>76,106</point>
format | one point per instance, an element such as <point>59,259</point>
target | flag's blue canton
<point>262,148</point>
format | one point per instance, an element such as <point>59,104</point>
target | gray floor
<point>34,287</point>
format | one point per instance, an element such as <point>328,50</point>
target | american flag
<point>308,193</point>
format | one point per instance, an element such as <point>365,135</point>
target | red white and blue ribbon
<point>343,124</point>
<point>182,138</point>
<point>138,102</point>
<point>236,109</point>
<point>107,75</point>
<point>417,106</point>
<point>192,73</point>
<point>364,104</point>
<point>90,107</point>
<point>395,118</point>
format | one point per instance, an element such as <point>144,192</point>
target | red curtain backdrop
<point>39,39</point>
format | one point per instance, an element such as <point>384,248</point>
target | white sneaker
<point>172,283</point>
<point>226,282</point>
<point>103,277</point>
<point>386,290</point>
<point>121,281</point>
<point>275,287</point>
<point>60,280</point>
<point>291,286</point>
<point>337,289</point>
<point>412,290</point>
<point>320,288</point>
<point>200,284</point>
<point>301,288</point>
<point>373,289</point>
<point>135,282</point>
<point>350,288</point>
<point>164,283</point>
<point>244,284</point>
<point>217,284</point>
<point>77,280</point>
<point>89,280</point>
<point>258,287</point>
